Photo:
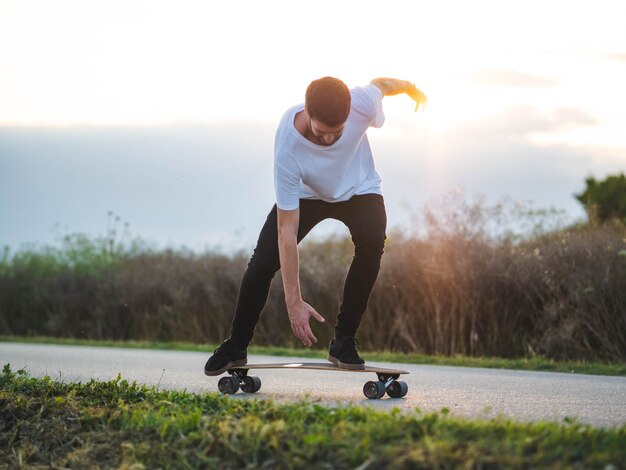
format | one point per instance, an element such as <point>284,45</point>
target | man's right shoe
<point>343,353</point>
<point>225,357</point>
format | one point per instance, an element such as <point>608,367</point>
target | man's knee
<point>263,263</point>
<point>370,249</point>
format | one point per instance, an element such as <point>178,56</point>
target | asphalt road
<point>471,392</point>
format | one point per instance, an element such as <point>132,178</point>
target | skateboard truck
<point>239,378</point>
<point>387,383</point>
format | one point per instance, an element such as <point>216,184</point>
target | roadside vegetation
<point>477,280</point>
<point>46,423</point>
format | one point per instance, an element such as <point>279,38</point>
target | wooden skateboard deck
<point>387,378</point>
<point>320,366</point>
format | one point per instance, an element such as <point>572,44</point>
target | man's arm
<point>299,311</point>
<point>394,86</point>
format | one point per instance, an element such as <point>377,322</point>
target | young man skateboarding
<point>323,168</point>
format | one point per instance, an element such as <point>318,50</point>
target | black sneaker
<point>225,357</point>
<point>343,353</point>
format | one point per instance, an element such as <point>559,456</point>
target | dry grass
<point>463,286</point>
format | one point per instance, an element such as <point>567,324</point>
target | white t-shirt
<point>305,170</point>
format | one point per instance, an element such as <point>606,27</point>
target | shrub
<point>467,285</point>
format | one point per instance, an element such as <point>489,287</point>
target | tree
<point>605,200</point>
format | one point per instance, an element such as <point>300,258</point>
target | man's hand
<point>394,86</point>
<point>299,314</point>
<point>416,95</point>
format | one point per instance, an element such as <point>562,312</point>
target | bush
<point>605,200</point>
<point>467,285</point>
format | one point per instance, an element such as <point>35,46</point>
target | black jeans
<point>366,219</point>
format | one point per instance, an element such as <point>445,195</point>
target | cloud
<point>617,57</point>
<point>572,117</point>
<point>521,122</point>
<point>511,78</point>
<point>498,157</point>
<point>605,56</point>
<point>208,185</point>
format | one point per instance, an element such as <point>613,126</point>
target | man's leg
<point>253,291</point>
<point>366,219</point>
<point>256,281</point>
<point>255,286</point>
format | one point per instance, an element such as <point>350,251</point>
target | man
<point>323,168</point>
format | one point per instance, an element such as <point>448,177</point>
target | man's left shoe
<point>343,353</point>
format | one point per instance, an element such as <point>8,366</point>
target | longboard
<point>387,378</point>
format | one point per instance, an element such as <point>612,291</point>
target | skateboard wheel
<point>251,384</point>
<point>374,389</point>
<point>228,385</point>
<point>397,389</point>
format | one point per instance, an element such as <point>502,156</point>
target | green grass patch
<point>530,364</point>
<point>121,424</point>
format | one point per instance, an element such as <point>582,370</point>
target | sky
<point>163,113</point>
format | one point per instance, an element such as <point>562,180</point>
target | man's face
<point>323,134</point>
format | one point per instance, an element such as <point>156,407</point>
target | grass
<point>121,424</point>
<point>530,364</point>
